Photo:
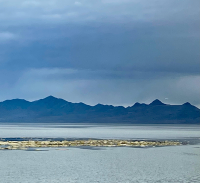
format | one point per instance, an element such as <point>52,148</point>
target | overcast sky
<point>101,51</point>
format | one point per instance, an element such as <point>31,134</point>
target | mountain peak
<point>136,104</point>
<point>57,110</point>
<point>15,103</point>
<point>187,104</point>
<point>50,97</point>
<point>157,102</point>
<point>17,100</point>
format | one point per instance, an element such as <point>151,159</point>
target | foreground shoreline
<point>25,144</point>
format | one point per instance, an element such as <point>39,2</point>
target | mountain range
<point>55,110</point>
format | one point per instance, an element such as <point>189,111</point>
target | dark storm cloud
<point>116,52</point>
<point>140,47</point>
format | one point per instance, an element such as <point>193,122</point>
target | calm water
<point>104,165</point>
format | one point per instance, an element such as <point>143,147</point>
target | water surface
<point>103,165</point>
<point>100,131</point>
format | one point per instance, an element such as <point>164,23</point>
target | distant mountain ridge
<point>51,109</point>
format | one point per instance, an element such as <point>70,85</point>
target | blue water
<point>104,165</point>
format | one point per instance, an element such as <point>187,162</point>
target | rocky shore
<point>11,145</point>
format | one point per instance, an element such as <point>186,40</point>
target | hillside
<point>51,109</point>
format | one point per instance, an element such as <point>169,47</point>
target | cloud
<point>93,88</point>
<point>78,3</point>
<point>114,52</point>
<point>101,11</point>
<point>30,3</point>
<point>6,36</point>
<point>110,49</point>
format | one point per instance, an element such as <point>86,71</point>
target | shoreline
<point>25,144</point>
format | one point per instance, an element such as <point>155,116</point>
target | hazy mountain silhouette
<point>51,109</point>
<point>157,102</point>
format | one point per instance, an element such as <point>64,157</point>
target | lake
<point>102,164</point>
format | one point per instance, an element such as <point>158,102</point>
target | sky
<point>101,51</point>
